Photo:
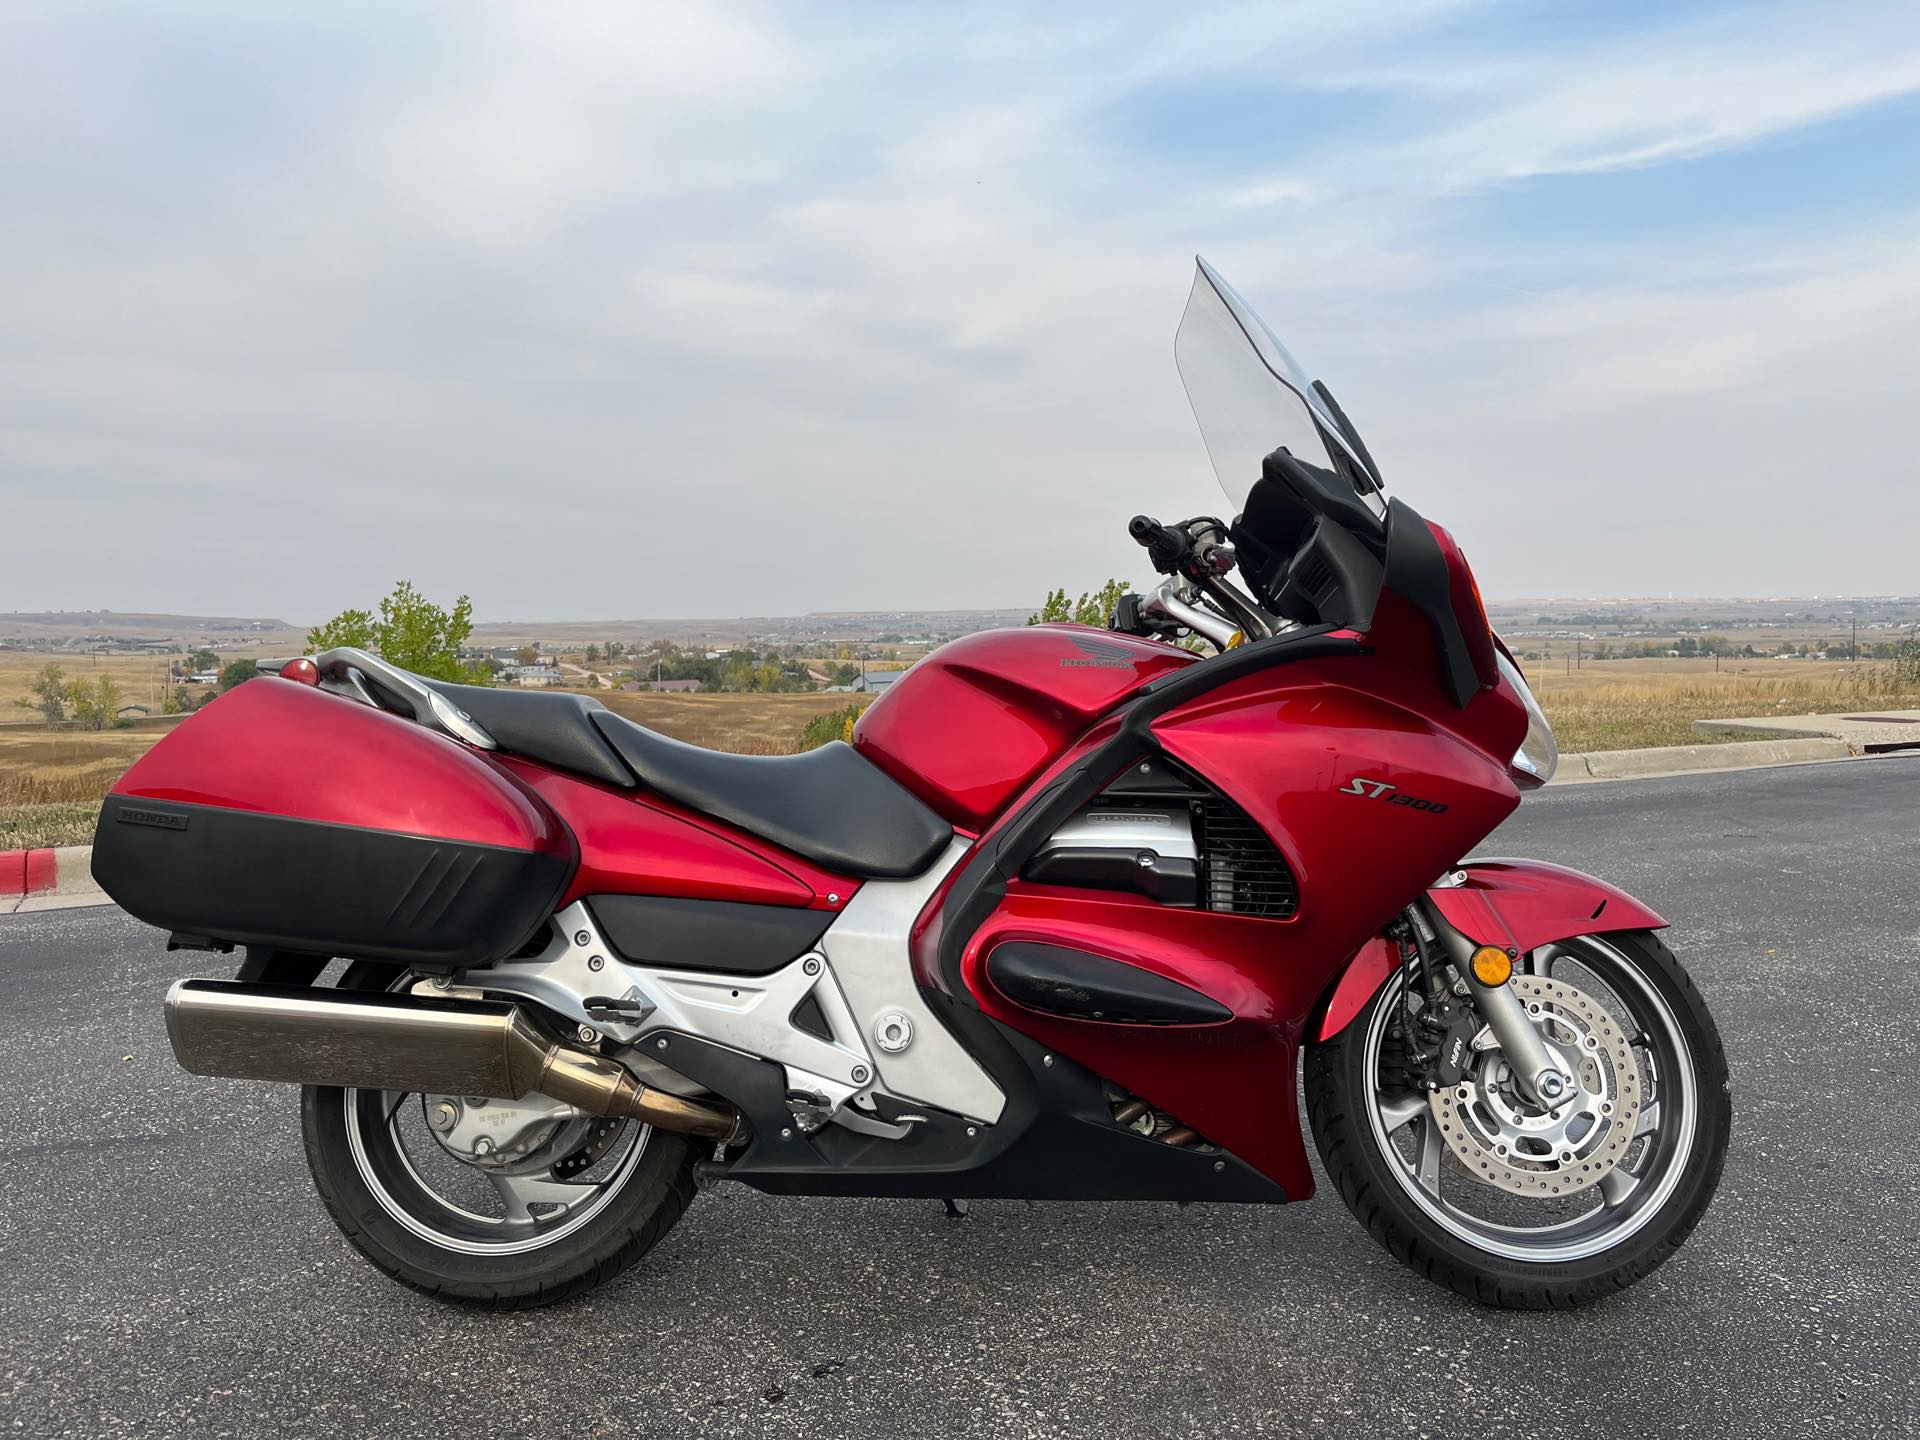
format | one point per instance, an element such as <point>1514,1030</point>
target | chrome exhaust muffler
<point>398,1042</point>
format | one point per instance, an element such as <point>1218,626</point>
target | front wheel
<point>1481,1190</point>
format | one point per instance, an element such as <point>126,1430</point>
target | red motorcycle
<point>1059,923</point>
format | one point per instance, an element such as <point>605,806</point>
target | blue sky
<point>615,310</point>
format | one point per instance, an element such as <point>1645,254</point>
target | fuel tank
<point>285,816</point>
<point>969,726</point>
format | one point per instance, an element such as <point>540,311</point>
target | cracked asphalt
<point>168,1270</point>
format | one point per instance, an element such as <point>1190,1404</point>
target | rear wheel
<point>510,1204</point>
<point>1507,1202</point>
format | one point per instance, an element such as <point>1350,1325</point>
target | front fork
<point>1539,1074</point>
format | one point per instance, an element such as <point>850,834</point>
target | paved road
<point>167,1270</point>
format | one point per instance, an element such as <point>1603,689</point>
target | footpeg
<point>810,1110</point>
<point>616,1009</point>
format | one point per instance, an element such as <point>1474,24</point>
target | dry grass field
<point>744,724</point>
<point>51,781</point>
<point>1629,704</point>
<point>141,677</point>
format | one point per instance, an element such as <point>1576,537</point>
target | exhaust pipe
<point>397,1042</point>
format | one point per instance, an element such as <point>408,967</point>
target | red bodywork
<point>646,845</point>
<point>969,726</point>
<point>1518,904</point>
<point>279,747</point>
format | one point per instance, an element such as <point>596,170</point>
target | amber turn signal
<point>1492,966</point>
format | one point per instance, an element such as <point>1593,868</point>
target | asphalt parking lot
<point>168,1271</point>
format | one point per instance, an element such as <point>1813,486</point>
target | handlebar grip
<point>1166,545</point>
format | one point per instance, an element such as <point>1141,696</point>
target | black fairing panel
<point>1417,570</point>
<point>1056,1140</point>
<point>1308,546</point>
<point>680,934</point>
<point>1057,980</point>
<point>322,889</point>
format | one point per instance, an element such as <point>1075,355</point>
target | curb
<point>1697,759</point>
<point>48,878</point>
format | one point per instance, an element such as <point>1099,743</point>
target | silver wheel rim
<point>386,1167</point>
<point>1630,1195</point>
<point>566,1205</point>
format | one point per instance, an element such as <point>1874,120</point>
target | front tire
<point>606,1193</point>
<point>1550,1236</point>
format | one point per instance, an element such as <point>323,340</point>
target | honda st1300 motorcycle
<point>1061,922</point>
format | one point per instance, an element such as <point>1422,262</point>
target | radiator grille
<point>1244,873</point>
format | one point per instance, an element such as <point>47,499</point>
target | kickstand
<point>956,1209</point>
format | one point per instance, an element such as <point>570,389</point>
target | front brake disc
<point>1500,1138</point>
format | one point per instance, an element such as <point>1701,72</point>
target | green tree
<point>238,673</point>
<point>48,695</point>
<point>1906,661</point>
<point>1093,608</point>
<point>593,654</point>
<point>834,725</point>
<point>411,632</point>
<point>95,706</point>
<point>202,660</point>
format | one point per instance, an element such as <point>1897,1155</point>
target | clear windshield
<point>1250,396</point>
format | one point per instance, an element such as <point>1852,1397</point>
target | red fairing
<point>969,726</point>
<point>1306,755</point>
<point>1233,1082</point>
<point>1520,903</point>
<point>279,747</point>
<point>631,845</point>
<point>1315,752</point>
<point>1529,903</point>
<point>1358,983</point>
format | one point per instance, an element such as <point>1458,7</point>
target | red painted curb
<point>13,872</point>
<point>42,869</point>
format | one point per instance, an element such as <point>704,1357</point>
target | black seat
<point>544,725</point>
<point>830,805</point>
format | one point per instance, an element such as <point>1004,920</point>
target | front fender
<point>1522,904</point>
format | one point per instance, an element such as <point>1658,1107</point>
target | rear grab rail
<point>358,674</point>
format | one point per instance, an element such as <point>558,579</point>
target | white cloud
<point>618,310</point>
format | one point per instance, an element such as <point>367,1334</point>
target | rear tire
<point>1343,1089</point>
<point>362,1186</point>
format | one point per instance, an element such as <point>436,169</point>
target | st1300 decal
<point>1392,794</point>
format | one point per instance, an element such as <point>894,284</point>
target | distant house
<point>535,675</point>
<point>681,687</point>
<point>877,680</point>
<point>204,677</point>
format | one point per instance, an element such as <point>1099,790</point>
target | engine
<point>1163,833</point>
